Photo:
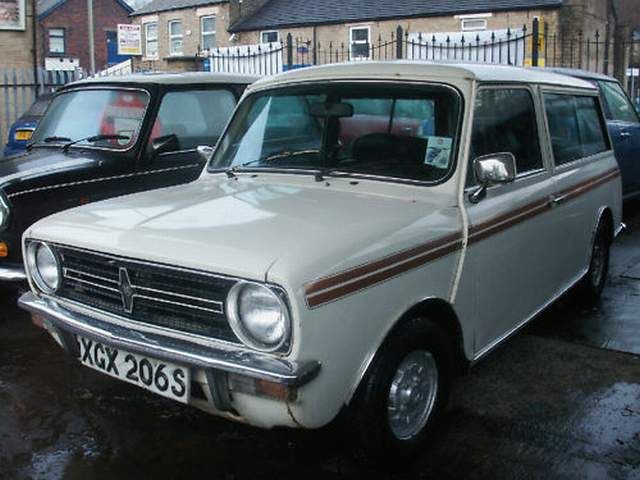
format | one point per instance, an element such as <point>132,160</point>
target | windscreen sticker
<point>438,152</point>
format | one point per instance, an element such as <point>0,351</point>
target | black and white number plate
<point>163,378</point>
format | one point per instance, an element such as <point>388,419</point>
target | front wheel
<point>594,281</point>
<point>403,394</point>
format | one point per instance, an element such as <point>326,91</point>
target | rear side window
<point>195,117</point>
<point>576,127</point>
<point>618,105</point>
<point>505,121</point>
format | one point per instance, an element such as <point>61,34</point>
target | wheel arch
<point>436,310</point>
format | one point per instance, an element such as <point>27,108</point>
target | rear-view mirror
<point>331,110</point>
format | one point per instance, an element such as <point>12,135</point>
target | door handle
<point>625,135</point>
<point>558,199</point>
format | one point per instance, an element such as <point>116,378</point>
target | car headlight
<point>43,266</point>
<point>4,212</point>
<point>258,316</point>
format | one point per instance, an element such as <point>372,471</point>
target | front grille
<point>158,295</point>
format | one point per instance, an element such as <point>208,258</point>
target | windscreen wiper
<point>93,139</point>
<point>49,140</point>
<point>275,156</point>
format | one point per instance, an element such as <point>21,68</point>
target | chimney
<point>241,9</point>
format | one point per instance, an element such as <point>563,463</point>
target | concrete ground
<point>559,400</point>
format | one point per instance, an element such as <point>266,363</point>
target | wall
<point>72,16</point>
<point>191,37</point>
<point>17,45</point>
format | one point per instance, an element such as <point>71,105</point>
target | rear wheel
<point>594,281</point>
<point>402,396</point>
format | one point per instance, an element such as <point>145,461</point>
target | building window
<point>359,41</point>
<point>269,37</point>
<point>208,32</point>
<point>151,40</point>
<point>175,37</point>
<point>472,24</point>
<point>56,41</point>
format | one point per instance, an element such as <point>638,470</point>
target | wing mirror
<point>164,144</point>
<point>205,152</point>
<point>493,169</point>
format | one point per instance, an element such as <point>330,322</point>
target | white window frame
<point>359,42</point>
<point>148,40</point>
<point>263,33</point>
<point>204,33</point>
<point>172,37</point>
<point>62,36</point>
<point>465,21</point>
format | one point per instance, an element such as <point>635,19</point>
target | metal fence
<point>529,45</point>
<point>19,89</point>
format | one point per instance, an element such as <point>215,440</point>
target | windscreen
<point>403,132</point>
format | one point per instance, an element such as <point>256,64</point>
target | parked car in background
<point>106,137</point>
<point>624,126</point>
<point>22,129</point>
<point>355,241</point>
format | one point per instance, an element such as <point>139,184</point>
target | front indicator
<point>4,250</point>
<point>262,388</point>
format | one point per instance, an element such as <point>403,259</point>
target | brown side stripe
<point>341,284</point>
<point>347,288</point>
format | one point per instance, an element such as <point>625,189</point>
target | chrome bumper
<point>12,274</point>
<point>232,360</point>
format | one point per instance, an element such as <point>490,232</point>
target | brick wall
<point>16,46</point>
<point>72,16</point>
<point>191,36</point>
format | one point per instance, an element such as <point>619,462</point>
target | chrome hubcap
<point>412,394</point>
<point>598,263</point>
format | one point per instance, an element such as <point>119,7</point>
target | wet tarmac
<point>560,400</point>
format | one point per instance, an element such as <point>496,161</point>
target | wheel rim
<point>598,263</point>
<point>412,394</point>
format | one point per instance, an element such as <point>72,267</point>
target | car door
<point>624,127</point>
<point>582,166</point>
<point>186,118</point>
<point>509,234</point>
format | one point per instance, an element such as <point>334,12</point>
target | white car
<point>362,233</point>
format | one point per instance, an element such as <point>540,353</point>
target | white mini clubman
<point>362,233</point>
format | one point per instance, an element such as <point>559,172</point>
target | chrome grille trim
<point>169,298</point>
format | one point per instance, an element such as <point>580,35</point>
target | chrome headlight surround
<point>36,253</point>
<point>4,212</point>
<point>247,333</point>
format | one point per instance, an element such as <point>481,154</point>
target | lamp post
<point>92,47</point>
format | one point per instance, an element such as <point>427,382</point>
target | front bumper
<point>235,360</point>
<point>12,273</point>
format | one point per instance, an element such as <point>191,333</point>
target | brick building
<point>175,32</point>
<point>63,33</point>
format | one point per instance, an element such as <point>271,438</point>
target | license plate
<point>164,378</point>
<point>24,134</point>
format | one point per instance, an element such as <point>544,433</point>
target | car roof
<point>423,70</point>
<point>178,78</point>
<point>575,72</point>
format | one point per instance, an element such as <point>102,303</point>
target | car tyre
<point>400,401</point>
<point>593,282</point>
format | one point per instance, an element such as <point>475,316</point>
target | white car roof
<point>422,70</point>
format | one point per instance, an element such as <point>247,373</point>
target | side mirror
<point>493,169</point>
<point>164,144</point>
<point>205,152</point>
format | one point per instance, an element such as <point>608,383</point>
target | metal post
<point>535,43</point>
<point>289,51</point>
<point>399,37</point>
<point>92,45</point>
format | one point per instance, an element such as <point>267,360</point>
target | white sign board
<point>633,72</point>
<point>129,39</point>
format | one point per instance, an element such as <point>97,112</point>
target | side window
<point>618,105</point>
<point>195,117</point>
<point>505,121</point>
<point>575,126</point>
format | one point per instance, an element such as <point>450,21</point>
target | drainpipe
<point>92,46</point>
<point>34,40</point>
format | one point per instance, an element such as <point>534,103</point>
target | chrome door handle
<point>558,199</point>
<point>625,135</point>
